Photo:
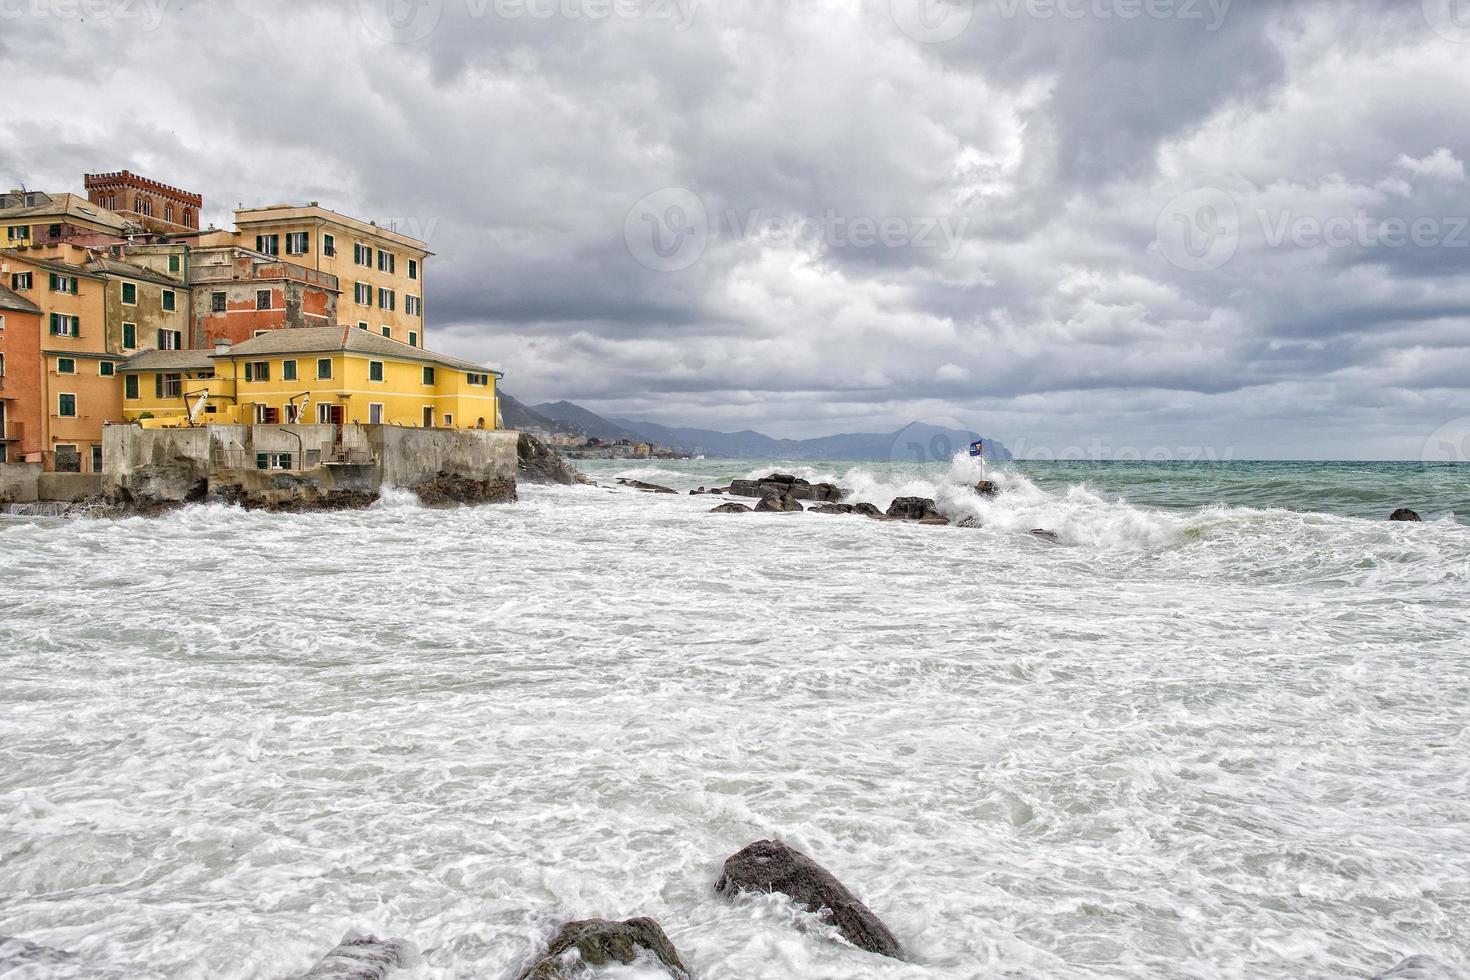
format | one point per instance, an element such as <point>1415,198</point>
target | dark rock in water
<point>1046,535</point>
<point>832,509</point>
<point>970,522</point>
<point>645,487</point>
<point>1422,968</point>
<point>448,490</point>
<point>731,508</point>
<point>935,521</point>
<point>705,490</point>
<point>600,942</point>
<point>771,502</point>
<point>987,488</point>
<point>361,958</point>
<point>784,484</point>
<point>17,953</point>
<point>771,866</point>
<point>869,510</point>
<point>537,462</point>
<point>912,509</point>
<point>1405,514</point>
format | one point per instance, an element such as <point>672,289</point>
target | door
<point>428,417</point>
<point>96,459</point>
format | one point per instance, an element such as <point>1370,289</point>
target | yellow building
<point>380,271</point>
<point>331,375</point>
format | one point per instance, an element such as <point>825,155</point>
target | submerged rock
<point>913,509</point>
<point>832,509</point>
<point>537,462</point>
<point>987,488</point>
<point>1046,535</point>
<point>772,502</point>
<point>645,487</point>
<point>448,490</point>
<point>17,953</point>
<point>600,942</point>
<point>731,508</point>
<point>970,522</point>
<point>771,866</point>
<point>1422,968</point>
<point>708,490</point>
<point>866,509</point>
<point>784,485</point>
<point>935,521</point>
<point>359,957</point>
<point>1405,514</point>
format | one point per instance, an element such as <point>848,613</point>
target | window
<point>362,324</point>
<point>386,299</point>
<point>268,244</point>
<point>20,233</point>
<point>388,332</point>
<point>66,407</point>
<point>413,268</point>
<point>66,365</point>
<point>256,371</point>
<point>324,368</point>
<point>130,386</point>
<point>168,213</point>
<point>170,340</point>
<point>218,302</point>
<point>428,375</point>
<point>448,421</point>
<point>288,370</point>
<point>386,261</point>
<point>478,380</point>
<point>413,339</point>
<point>297,243</point>
<point>329,246</point>
<point>107,369</point>
<point>173,263</point>
<point>170,301</point>
<point>168,385</point>
<point>65,326</point>
<point>130,293</point>
<point>265,415</point>
<point>20,281</point>
<point>362,255</point>
<point>130,336</point>
<point>362,293</point>
<point>262,299</point>
<point>63,284</point>
<point>53,231</point>
<point>413,306</point>
<point>96,459</point>
<point>375,370</point>
<point>273,461</point>
<point>375,413</point>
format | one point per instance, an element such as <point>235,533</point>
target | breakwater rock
<point>786,485</point>
<point>771,866</point>
<point>1405,514</point>
<point>536,462</point>
<point>359,957</point>
<point>602,942</point>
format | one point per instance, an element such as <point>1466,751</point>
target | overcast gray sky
<point>1107,226</point>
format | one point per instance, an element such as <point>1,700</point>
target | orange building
<point>20,376</point>
<point>239,294</point>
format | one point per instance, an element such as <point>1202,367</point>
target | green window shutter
<point>130,386</point>
<point>158,386</point>
<point>262,461</point>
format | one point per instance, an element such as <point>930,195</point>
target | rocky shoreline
<point>582,948</point>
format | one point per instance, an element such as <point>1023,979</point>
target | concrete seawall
<point>305,467</point>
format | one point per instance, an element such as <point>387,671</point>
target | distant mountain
<point>578,421</point>
<point>919,442</point>
<point>516,415</point>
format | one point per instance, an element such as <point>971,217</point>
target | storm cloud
<point>1122,226</point>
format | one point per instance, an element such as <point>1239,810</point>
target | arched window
<point>168,213</point>
<point>189,217</point>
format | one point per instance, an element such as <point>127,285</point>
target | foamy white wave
<point>397,498</point>
<point>230,736</point>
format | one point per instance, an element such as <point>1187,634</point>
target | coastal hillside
<point>919,442</point>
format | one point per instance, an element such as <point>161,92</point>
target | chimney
<point>221,346</point>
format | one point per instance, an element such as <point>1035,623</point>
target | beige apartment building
<point>379,272</point>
